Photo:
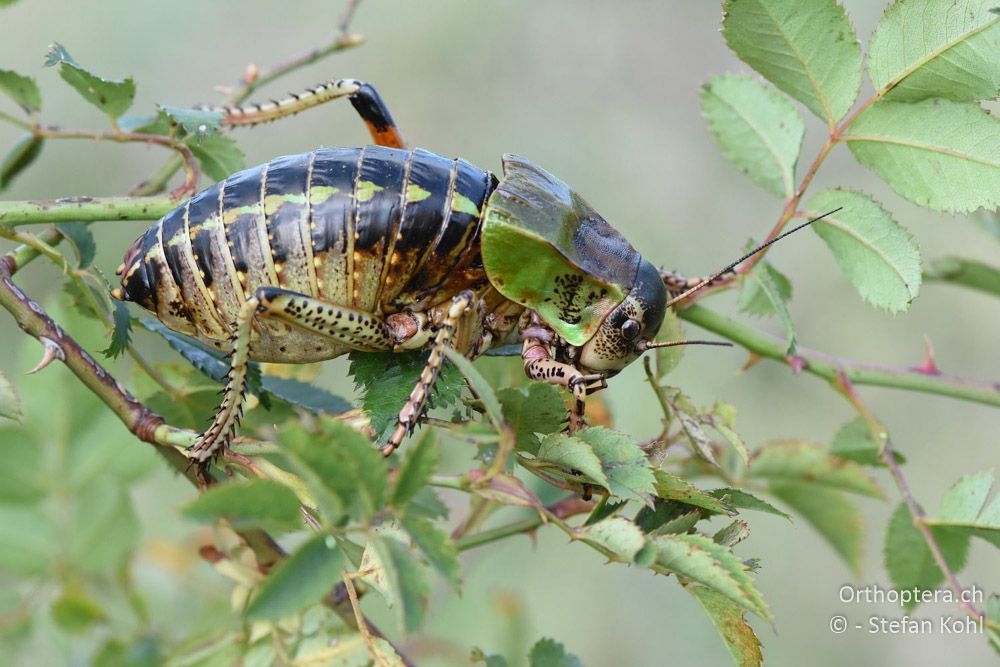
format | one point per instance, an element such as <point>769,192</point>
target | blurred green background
<point>605,95</point>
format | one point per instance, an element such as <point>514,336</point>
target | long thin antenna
<point>708,281</point>
<point>672,343</point>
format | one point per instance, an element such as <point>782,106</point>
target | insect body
<point>382,248</point>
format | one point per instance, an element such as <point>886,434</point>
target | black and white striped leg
<point>414,406</point>
<point>216,438</point>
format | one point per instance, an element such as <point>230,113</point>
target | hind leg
<point>356,329</point>
<point>364,98</point>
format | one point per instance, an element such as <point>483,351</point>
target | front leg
<point>414,406</point>
<point>539,365</point>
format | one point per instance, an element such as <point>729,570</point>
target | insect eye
<point>630,329</point>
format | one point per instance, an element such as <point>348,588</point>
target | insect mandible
<point>382,248</point>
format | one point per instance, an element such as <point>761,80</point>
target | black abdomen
<point>375,228</point>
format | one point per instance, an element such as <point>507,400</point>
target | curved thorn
<point>52,352</point>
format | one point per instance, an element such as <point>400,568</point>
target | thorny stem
<point>835,136</point>
<point>827,366</point>
<point>145,424</point>
<point>565,508</point>
<point>85,209</point>
<point>191,168</point>
<point>881,436</point>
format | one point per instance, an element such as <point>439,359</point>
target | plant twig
<point>827,366</point>
<point>881,436</point>
<point>191,167</point>
<point>84,209</point>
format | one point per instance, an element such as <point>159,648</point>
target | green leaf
<point>300,581</point>
<point>121,335</point>
<point>805,47</point>
<point>964,510</point>
<point>993,621</point>
<point>112,97</point>
<point>939,154</point>
<point>304,395</point>
<point>340,462</point>
<point>418,464</point>
<point>537,408</point>
<point>966,273</point>
<point>875,252</point>
<point>668,516</point>
<point>691,425</point>
<point>10,404</point>
<point>218,154</point>
<point>699,558</point>
<point>386,379</point>
<point>22,89</point>
<point>29,540</point>
<point>770,291</point>
<point>570,452</point>
<point>74,612</point>
<point>257,502</point>
<point>759,129</point>
<point>199,122</point>
<point>754,300</point>
<point>480,387</point>
<point>831,513</point>
<point>854,442</point>
<point>930,48</point>
<point>507,490</point>
<point>550,653</point>
<point>671,487</point>
<point>82,239</point>
<point>427,504</point>
<point>435,544</point>
<point>910,563</point>
<point>732,626</point>
<point>624,464</point>
<point>619,536</point>
<point>741,499</point>
<point>406,580</point>
<point>668,358</point>
<point>21,155</point>
<point>215,366</point>
<point>145,124</point>
<point>796,461</point>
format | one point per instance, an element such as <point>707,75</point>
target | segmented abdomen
<point>378,229</point>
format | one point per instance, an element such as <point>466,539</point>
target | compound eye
<point>630,329</point>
